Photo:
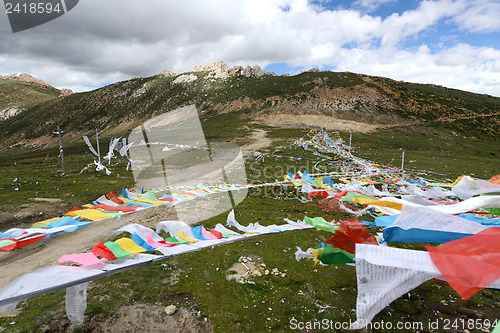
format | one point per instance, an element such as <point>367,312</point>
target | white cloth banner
<point>385,274</point>
<point>76,302</point>
<point>468,187</point>
<point>426,218</point>
<point>474,203</point>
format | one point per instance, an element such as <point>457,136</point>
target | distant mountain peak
<point>24,77</point>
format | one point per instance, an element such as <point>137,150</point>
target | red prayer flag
<point>469,264</point>
<point>323,194</point>
<point>216,233</point>
<point>111,196</point>
<point>19,243</point>
<point>354,233</point>
<point>115,209</point>
<point>102,250</point>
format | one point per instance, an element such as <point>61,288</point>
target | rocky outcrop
<point>10,112</point>
<point>202,68</point>
<point>312,70</point>
<point>254,71</point>
<point>185,79</point>
<point>219,70</point>
<point>65,92</point>
<point>167,73</point>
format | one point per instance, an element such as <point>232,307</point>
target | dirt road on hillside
<point>259,141</point>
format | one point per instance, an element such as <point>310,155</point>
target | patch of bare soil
<point>47,251</point>
<point>332,205</point>
<point>14,217</point>
<point>259,141</point>
<point>135,318</point>
<point>310,120</point>
<point>132,318</point>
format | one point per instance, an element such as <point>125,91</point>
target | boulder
<point>258,72</point>
<point>219,70</point>
<point>248,71</point>
<point>10,112</point>
<point>170,310</point>
<point>167,73</point>
<point>65,92</point>
<point>236,71</point>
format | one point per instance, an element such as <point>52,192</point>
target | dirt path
<point>46,252</point>
<point>259,141</point>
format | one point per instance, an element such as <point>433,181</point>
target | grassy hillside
<point>124,105</point>
<point>24,94</point>
<point>445,133</point>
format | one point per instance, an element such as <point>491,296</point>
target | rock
<point>248,71</point>
<point>235,71</point>
<point>255,71</point>
<point>266,272</point>
<point>10,112</point>
<point>201,68</point>
<point>219,70</point>
<point>258,72</point>
<point>257,273</point>
<point>312,70</point>
<point>185,79</point>
<point>285,74</point>
<point>170,310</point>
<point>65,92</point>
<point>487,293</point>
<point>167,73</point>
<point>140,91</point>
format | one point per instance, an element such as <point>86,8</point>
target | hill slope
<point>372,101</point>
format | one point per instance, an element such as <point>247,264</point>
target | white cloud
<point>398,27</point>
<point>474,71</point>
<point>372,5</point>
<point>101,42</point>
<point>480,16</point>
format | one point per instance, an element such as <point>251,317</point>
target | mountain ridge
<point>257,96</point>
<point>20,91</point>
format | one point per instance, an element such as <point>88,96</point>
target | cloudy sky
<point>454,43</point>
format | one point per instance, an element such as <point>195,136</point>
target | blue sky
<point>454,43</point>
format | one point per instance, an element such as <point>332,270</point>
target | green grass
<point>440,152</point>
<point>39,175</point>
<point>24,94</point>
<point>122,103</point>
